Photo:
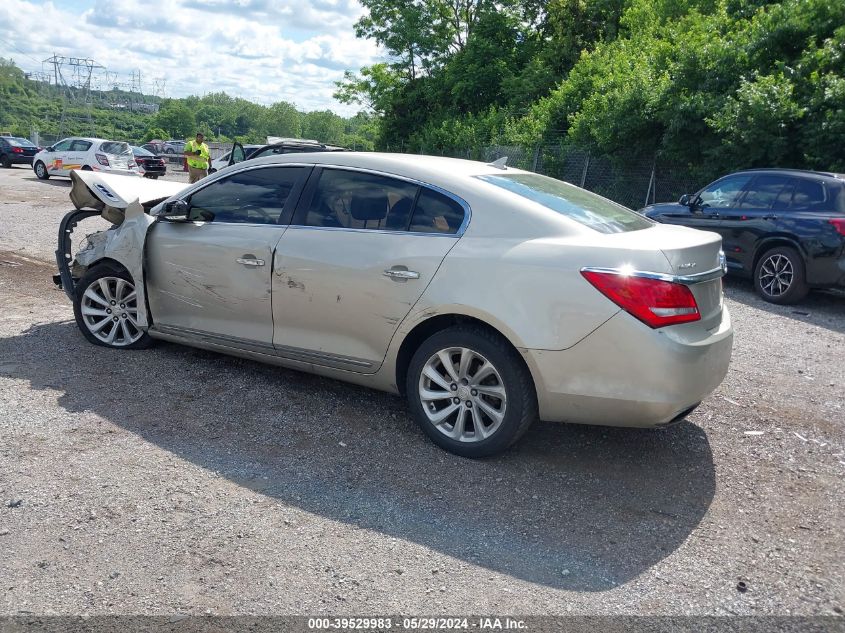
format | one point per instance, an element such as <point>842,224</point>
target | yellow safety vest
<point>201,161</point>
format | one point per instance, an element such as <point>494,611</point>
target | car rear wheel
<point>41,171</point>
<point>5,161</point>
<point>470,392</point>
<point>87,168</point>
<point>779,276</point>
<point>106,309</point>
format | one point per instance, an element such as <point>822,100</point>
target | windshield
<point>116,148</point>
<point>589,209</point>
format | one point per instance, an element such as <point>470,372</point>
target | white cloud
<point>261,50</point>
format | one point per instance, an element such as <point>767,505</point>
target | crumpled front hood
<point>111,194</point>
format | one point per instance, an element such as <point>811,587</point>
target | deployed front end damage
<point>123,202</point>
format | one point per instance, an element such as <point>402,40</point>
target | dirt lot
<point>180,481</point>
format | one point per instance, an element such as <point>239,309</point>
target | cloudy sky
<point>261,50</point>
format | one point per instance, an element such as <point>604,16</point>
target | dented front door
<point>212,279</point>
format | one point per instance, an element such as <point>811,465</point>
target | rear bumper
<point>626,374</point>
<point>14,159</point>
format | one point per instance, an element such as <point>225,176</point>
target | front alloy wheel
<point>470,391</point>
<point>106,309</point>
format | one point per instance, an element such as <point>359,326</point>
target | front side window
<point>763,192</point>
<point>723,193</point>
<point>256,196</point>
<point>357,200</point>
<point>589,209</point>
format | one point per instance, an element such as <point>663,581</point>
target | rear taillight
<point>17,150</point>
<point>839,225</point>
<point>655,302</point>
<point>101,158</point>
<point>132,164</point>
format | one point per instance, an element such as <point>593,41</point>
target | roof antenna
<point>500,163</point>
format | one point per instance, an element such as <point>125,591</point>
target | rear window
<point>17,142</point>
<point>115,148</point>
<point>575,203</point>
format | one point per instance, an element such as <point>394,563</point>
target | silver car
<point>489,296</point>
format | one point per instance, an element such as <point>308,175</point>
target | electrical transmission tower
<point>73,76</point>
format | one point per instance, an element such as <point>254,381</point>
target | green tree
<point>177,119</point>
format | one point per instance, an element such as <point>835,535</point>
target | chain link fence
<point>631,182</point>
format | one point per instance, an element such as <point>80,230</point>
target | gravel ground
<point>175,480</point>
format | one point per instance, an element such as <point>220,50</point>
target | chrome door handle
<point>250,261</point>
<point>401,274</point>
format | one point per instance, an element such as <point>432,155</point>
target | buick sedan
<point>489,296</point>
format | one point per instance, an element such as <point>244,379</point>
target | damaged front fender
<point>122,201</point>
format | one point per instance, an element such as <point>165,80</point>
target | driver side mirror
<point>50,149</point>
<point>685,200</point>
<point>174,209</point>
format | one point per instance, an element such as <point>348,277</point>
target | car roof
<point>782,171</point>
<point>437,170</point>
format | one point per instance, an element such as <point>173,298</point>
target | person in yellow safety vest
<point>198,157</point>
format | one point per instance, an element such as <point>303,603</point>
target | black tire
<point>154,176</point>
<point>87,168</point>
<point>520,403</point>
<point>169,150</point>
<point>5,161</point>
<point>107,273</point>
<point>779,276</point>
<point>40,170</point>
<point>211,170</point>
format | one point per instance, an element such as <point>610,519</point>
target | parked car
<point>489,296</point>
<point>88,154</point>
<point>156,146</point>
<point>149,165</point>
<point>173,147</point>
<point>223,161</point>
<point>15,151</point>
<point>783,228</point>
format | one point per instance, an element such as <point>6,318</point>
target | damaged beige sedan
<point>489,296</point>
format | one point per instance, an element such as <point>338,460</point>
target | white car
<point>488,296</point>
<point>87,154</point>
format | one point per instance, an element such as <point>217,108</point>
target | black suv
<point>783,228</point>
<point>16,150</point>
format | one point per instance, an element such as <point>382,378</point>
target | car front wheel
<point>779,276</point>
<point>106,309</point>
<point>470,392</point>
<point>41,171</point>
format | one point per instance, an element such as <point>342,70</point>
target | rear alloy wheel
<point>779,276</point>
<point>106,309</point>
<point>41,171</point>
<point>470,392</point>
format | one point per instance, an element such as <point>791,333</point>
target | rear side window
<point>257,196</point>
<point>80,146</point>
<point>358,200</point>
<point>807,193</point>
<point>589,209</point>
<point>436,213</point>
